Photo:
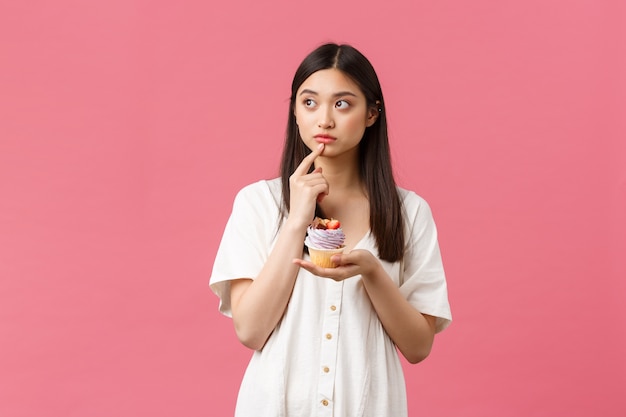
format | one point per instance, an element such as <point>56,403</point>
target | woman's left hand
<point>349,264</point>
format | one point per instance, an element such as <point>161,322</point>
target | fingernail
<point>320,146</point>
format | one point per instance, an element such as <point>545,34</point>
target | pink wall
<point>126,127</point>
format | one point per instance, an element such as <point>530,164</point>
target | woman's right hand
<point>306,189</point>
<point>258,305</point>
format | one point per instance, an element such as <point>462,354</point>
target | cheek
<point>356,125</point>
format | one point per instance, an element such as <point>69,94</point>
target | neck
<point>341,173</point>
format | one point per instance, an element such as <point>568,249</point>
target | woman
<point>325,339</point>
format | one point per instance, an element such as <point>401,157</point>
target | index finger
<point>308,160</point>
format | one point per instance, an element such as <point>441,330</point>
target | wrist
<point>373,270</point>
<point>294,225</point>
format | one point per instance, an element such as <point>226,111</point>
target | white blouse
<point>329,355</point>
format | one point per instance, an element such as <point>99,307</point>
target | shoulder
<point>416,211</point>
<point>412,202</point>
<point>261,190</point>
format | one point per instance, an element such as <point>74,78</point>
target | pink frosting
<point>324,238</point>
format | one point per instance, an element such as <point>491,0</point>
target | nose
<point>325,119</point>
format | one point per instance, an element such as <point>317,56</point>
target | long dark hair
<point>375,170</point>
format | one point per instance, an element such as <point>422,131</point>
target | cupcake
<point>324,239</point>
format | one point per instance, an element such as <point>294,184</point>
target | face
<point>331,109</point>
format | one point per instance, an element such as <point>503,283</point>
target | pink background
<point>127,127</point>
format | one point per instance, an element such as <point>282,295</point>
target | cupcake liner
<point>321,257</point>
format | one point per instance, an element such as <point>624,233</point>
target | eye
<point>342,104</point>
<point>308,102</point>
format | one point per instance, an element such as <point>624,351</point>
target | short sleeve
<point>246,242</point>
<point>423,277</point>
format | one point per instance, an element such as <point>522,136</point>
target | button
<point>333,308</point>
<point>324,403</point>
<point>329,336</point>
<point>326,369</point>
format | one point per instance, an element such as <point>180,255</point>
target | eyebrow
<point>338,94</point>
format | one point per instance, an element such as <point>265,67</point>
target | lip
<point>322,138</point>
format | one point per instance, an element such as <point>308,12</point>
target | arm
<point>259,304</point>
<point>411,331</point>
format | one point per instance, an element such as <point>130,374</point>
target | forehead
<point>329,82</point>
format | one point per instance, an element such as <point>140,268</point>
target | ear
<point>293,111</point>
<point>372,116</point>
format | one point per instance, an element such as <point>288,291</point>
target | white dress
<point>329,355</point>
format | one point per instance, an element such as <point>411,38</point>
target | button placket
<point>328,348</point>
